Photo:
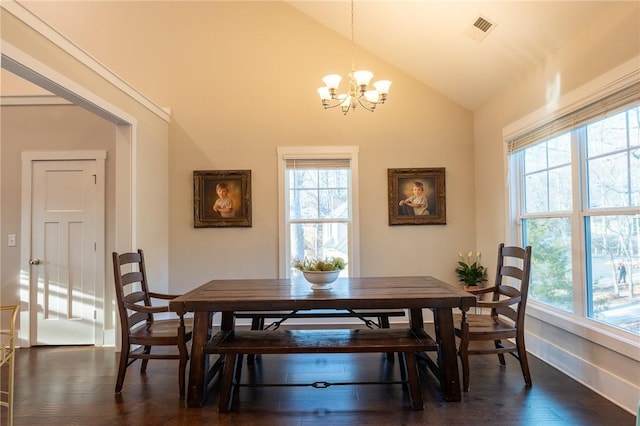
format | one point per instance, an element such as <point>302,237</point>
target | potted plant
<point>318,271</point>
<point>471,273</point>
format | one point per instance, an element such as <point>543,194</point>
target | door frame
<point>124,232</point>
<point>26,293</point>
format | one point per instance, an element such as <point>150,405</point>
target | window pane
<point>333,178</point>
<point>319,193</point>
<point>303,178</point>
<point>319,240</point>
<point>560,189</point>
<point>333,203</point>
<point>614,270</point>
<point>548,186</point>
<point>303,204</point>
<point>550,261</point>
<point>536,193</point>
<point>607,135</point>
<point>559,150</point>
<point>608,181</point>
<point>535,158</point>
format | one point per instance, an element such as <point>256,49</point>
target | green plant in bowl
<point>320,272</point>
<point>317,264</point>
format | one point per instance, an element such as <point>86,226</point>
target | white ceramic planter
<point>321,280</point>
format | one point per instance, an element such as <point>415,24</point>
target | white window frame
<point>577,323</point>
<point>317,152</point>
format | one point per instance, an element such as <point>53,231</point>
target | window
<point>576,197</point>
<point>317,205</point>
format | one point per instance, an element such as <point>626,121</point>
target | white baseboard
<point>615,389</point>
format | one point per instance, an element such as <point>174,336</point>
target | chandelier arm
<point>371,108</point>
<point>329,105</point>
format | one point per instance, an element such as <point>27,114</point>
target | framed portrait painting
<point>221,198</point>
<point>417,196</point>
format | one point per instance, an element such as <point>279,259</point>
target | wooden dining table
<point>236,295</point>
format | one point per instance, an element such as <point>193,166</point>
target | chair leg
<point>498,344</point>
<point>464,359</point>
<point>143,366</point>
<point>122,367</point>
<point>184,358</point>
<point>524,363</point>
<point>182,368</point>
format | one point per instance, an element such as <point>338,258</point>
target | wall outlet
<point>11,240</point>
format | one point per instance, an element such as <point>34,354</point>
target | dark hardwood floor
<point>75,386</point>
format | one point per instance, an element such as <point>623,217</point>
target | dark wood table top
<point>345,293</point>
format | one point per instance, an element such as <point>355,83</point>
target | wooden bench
<point>234,344</point>
<point>365,315</point>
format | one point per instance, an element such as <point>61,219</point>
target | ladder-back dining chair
<point>140,328</point>
<point>504,322</point>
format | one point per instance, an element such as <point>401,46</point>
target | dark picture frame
<point>431,181</point>
<point>231,207</point>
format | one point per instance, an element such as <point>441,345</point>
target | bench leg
<point>257,323</point>
<point>238,373</point>
<point>384,323</point>
<point>227,388</point>
<point>415,394</point>
<point>402,364</point>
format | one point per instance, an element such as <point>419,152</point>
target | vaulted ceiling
<point>437,42</point>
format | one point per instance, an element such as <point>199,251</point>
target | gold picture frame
<point>221,198</point>
<point>417,196</point>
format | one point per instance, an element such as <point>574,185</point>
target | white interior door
<point>63,252</point>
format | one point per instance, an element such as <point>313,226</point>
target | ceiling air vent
<point>479,29</point>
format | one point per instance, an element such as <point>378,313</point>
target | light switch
<point>11,240</point>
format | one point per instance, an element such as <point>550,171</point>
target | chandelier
<point>358,92</point>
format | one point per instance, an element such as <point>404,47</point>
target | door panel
<point>63,278</point>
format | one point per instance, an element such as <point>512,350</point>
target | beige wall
<point>613,41</point>
<point>240,79</point>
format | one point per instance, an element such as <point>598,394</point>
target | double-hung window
<point>576,200</point>
<point>317,205</point>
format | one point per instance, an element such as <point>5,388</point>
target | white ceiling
<point>427,40</point>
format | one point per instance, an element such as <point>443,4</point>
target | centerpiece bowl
<point>319,272</point>
<point>321,280</point>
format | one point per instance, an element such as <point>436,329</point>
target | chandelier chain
<point>353,40</point>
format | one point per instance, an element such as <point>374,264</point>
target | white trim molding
<point>33,100</point>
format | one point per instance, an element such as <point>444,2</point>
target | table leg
<point>199,360</point>
<point>447,355</point>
